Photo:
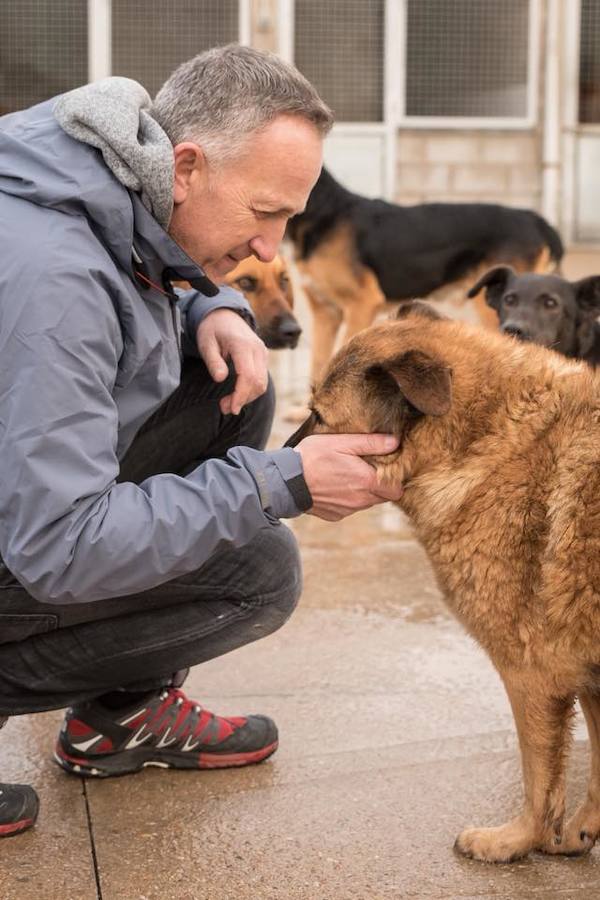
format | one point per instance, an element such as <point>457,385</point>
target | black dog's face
<point>539,308</point>
<point>544,309</point>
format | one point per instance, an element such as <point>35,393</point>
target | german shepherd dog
<point>546,309</point>
<point>500,460</point>
<point>268,290</point>
<point>355,254</point>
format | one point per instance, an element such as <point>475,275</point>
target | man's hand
<point>339,481</point>
<point>223,335</point>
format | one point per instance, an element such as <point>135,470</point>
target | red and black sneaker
<point>19,806</point>
<point>165,730</point>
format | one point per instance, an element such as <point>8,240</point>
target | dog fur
<point>268,289</point>
<point>500,460</point>
<point>546,309</point>
<point>355,255</point>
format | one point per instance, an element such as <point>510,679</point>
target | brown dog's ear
<point>424,381</point>
<point>587,294</point>
<point>418,308</point>
<point>494,281</point>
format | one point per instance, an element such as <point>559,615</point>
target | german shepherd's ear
<point>494,281</point>
<point>587,294</point>
<point>418,308</point>
<point>424,381</point>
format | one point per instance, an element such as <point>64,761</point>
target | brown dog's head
<point>267,288</point>
<point>385,379</point>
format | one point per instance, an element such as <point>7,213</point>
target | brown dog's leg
<point>543,726</point>
<point>583,829</point>
<point>327,318</point>
<point>360,310</point>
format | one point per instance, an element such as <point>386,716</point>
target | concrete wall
<point>466,165</point>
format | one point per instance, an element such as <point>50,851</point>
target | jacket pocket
<point>19,627</point>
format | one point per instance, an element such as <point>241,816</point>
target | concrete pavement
<point>395,734</point>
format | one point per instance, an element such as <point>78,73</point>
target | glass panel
<point>467,58</point>
<point>339,46</point>
<point>150,38</point>
<point>589,62</point>
<point>43,50</point>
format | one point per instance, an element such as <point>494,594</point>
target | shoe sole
<point>16,827</point>
<point>135,760</point>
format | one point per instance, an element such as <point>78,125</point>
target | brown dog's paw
<point>576,840</point>
<point>498,845</point>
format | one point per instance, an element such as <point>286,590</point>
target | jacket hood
<point>42,164</point>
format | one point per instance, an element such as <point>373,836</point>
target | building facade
<point>434,99</point>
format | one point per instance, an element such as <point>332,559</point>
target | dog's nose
<point>290,329</point>
<point>516,331</point>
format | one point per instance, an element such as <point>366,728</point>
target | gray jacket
<point>86,355</point>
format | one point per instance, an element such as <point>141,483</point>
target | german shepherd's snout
<point>500,462</point>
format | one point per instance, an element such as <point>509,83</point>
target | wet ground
<point>395,734</point>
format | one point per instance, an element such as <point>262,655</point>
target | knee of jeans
<point>282,591</point>
<point>258,419</point>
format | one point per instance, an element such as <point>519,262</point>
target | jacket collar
<point>163,256</point>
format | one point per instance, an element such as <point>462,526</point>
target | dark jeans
<point>52,656</point>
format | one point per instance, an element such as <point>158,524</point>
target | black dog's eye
<point>511,299</point>
<point>550,302</point>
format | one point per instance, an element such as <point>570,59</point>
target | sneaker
<point>19,806</point>
<point>166,730</point>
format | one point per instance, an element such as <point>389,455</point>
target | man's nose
<point>266,245</point>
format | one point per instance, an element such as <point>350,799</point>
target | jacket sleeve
<point>68,531</point>
<point>194,307</point>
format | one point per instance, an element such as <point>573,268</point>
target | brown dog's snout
<point>305,430</point>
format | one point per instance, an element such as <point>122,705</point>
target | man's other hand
<point>224,335</point>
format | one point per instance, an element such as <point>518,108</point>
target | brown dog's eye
<point>246,283</point>
<point>550,303</point>
<point>511,300</point>
<point>283,280</point>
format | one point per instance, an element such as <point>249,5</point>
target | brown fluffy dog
<point>500,458</point>
<point>268,290</point>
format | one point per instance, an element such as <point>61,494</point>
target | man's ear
<point>189,163</point>
<point>418,308</point>
<point>424,381</point>
<point>494,281</point>
<point>587,294</point>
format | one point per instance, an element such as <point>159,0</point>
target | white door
<point>586,124</point>
<point>342,48</point>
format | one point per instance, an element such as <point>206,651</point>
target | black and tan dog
<point>268,290</point>
<point>500,460</point>
<point>355,254</point>
<point>546,309</point>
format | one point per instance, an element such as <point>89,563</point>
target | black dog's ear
<point>423,380</point>
<point>494,281</point>
<point>418,308</point>
<point>587,294</point>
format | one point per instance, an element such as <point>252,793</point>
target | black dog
<point>547,310</point>
<point>354,254</point>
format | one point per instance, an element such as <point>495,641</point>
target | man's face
<point>224,214</point>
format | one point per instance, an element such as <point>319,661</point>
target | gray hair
<point>218,98</point>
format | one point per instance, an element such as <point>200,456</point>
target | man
<point>139,515</point>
